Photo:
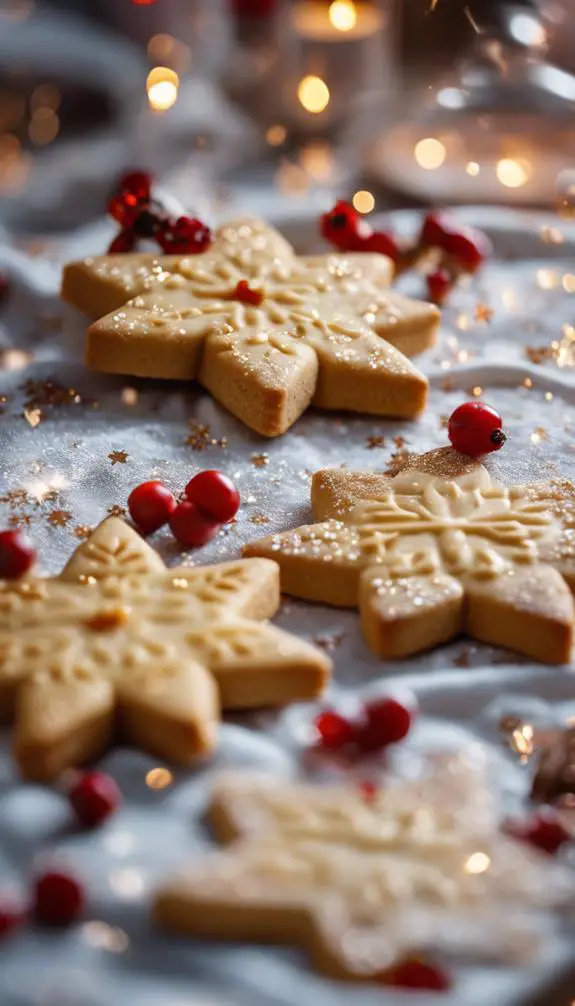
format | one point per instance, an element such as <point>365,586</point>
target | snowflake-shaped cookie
<point>118,639</point>
<point>362,882</point>
<point>327,332</point>
<point>438,550</point>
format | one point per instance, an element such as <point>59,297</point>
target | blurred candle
<point>339,48</point>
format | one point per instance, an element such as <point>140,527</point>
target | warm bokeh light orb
<point>429,153</point>
<point>343,15</point>
<point>313,94</point>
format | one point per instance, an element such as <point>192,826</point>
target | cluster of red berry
<point>381,722</point>
<point>58,897</point>
<point>211,500</point>
<point>141,216</point>
<point>460,249</point>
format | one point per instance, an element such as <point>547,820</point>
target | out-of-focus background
<point>281,105</point>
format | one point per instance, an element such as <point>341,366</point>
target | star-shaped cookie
<point>440,549</point>
<point>118,639</point>
<point>326,330</point>
<point>361,883</point>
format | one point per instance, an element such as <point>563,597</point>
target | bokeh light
<point>513,172</point>
<point>343,15</point>
<point>313,94</point>
<point>429,153</point>
<point>363,201</point>
<point>162,86</point>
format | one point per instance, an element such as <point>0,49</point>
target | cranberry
<point>468,246</point>
<point>334,731</point>
<point>439,284</point>
<point>343,228</point>
<point>95,797</point>
<point>386,721</point>
<point>58,899</point>
<point>17,555</point>
<point>433,231</point>
<point>215,495</point>
<point>125,208</point>
<point>191,526</point>
<point>183,236</point>
<point>125,241</point>
<point>474,428</point>
<point>12,914</point>
<point>247,295</point>
<point>150,505</point>
<point>383,243</point>
<point>544,830</point>
<point>138,183</point>
<point>416,974</point>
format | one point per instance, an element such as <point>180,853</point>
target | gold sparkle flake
<point>259,518</point>
<point>200,437</point>
<point>260,460</point>
<point>59,518</point>
<point>539,434</point>
<point>118,457</point>
<point>15,498</point>
<point>82,531</point>
<point>19,520</point>
<point>375,441</point>
<point>483,313</point>
<point>397,461</point>
<point>159,778</point>
<point>476,392</point>
<point>117,511</point>
<point>33,417</point>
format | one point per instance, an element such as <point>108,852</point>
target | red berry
<point>474,428</point>
<point>125,208</point>
<point>344,228</point>
<point>191,526</point>
<point>95,797</point>
<point>383,243</point>
<point>4,289</point>
<point>368,790</point>
<point>247,295</point>
<point>415,974</point>
<point>58,899</point>
<point>469,246</point>
<point>334,731</point>
<point>12,914</point>
<point>150,505</point>
<point>125,241</point>
<point>433,230</point>
<point>17,555</point>
<point>543,830</point>
<point>138,183</point>
<point>439,284</point>
<point>215,495</point>
<point>184,236</point>
<point>387,721</point>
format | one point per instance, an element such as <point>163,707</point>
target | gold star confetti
<point>375,441</point>
<point>59,518</point>
<point>397,461</point>
<point>329,640</point>
<point>32,416</point>
<point>259,518</point>
<point>117,511</point>
<point>15,498</point>
<point>483,313</point>
<point>200,437</point>
<point>43,495</point>
<point>118,457</point>
<point>260,460</point>
<point>399,441</point>
<point>82,531</point>
<point>19,520</point>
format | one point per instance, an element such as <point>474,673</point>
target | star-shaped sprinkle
<point>83,531</point>
<point>117,511</point>
<point>259,460</point>
<point>483,313</point>
<point>118,457</point>
<point>59,518</point>
<point>374,441</point>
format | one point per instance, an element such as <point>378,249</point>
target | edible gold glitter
<point>59,518</point>
<point>159,778</point>
<point>522,741</point>
<point>547,279</point>
<point>117,511</point>
<point>82,531</point>
<point>259,518</point>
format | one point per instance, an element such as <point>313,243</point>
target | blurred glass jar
<point>498,128</point>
